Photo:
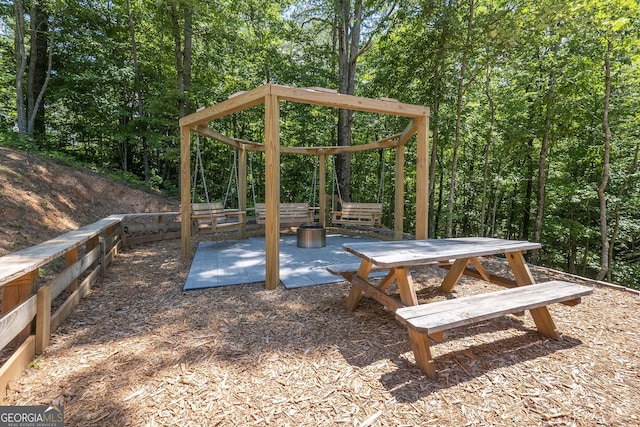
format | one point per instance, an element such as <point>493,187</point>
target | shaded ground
<point>139,351</point>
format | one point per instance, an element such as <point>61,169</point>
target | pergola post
<point>185,190</point>
<point>272,189</point>
<point>322,170</point>
<point>398,210</point>
<point>422,177</point>
<point>242,188</point>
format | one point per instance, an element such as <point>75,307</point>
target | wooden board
<point>19,263</point>
<point>289,213</point>
<point>359,213</point>
<point>443,315</point>
<point>411,252</point>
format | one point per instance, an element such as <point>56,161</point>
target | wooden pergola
<point>271,95</point>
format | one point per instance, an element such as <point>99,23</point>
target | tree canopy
<point>534,105</point>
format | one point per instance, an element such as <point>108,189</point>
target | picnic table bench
<point>434,318</point>
<point>358,214</point>
<point>290,213</point>
<point>423,320</point>
<point>214,217</point>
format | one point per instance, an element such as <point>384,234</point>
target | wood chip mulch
<point>139,351</point>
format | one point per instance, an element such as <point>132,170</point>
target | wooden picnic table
<point>454,254</point>
<point>432,319</point>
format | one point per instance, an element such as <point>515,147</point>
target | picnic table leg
<point>480,268</point>
<point>406,286</point>
<point>422,353</point>
<point>455,272</point>
<point>523,276</point>
<point>356,293</point>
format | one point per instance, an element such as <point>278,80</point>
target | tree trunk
<point>633,168</point>
<point>435,123</point>
<point>348,31</point>
<point>38,70</point>
<point>512,213</point>
<point>605,261</point>
<point>138,96</point>
<point>526,205</point>
<point>21,67</point>
<point>461,90</point>
<point>487,150</point>
<point>183,53</point>
<point>542,167</point>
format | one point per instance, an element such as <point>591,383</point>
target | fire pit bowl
<point>312,235</point>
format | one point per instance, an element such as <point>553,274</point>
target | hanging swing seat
<point>214,217</point>
<point>290,213</point>
<point>358,214</point>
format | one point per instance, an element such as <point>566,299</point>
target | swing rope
<point>253,183</point>
<point>382,174</point>
<point>199,165</point>
<point>234,172</point>
<point>314,183</point>
<point>336,185</point>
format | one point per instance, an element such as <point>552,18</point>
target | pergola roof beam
<point>229,106</point>
<point>392,141</point>
<point>348,102</point>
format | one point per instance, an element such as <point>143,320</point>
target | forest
<point>535,106</point>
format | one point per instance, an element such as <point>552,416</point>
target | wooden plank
<point>422,353</point>
<point>15,366</point>
<point>388,142</point>
<point>17,320</point>
<point>498,280</point>
<point>217,136</point>
<point>348,102</point>
<point>358,213</point>
<point>454,274</point>
<point>443,315</point>
<point>375,293</point>
<point>406,286</point>
<point>351,267</point>
<point>355,293</point>
<point>234,104</point>
<point>43,319</point>
<point>74,299</point>
<point>398,210</point>
<point>519,268</point>
<point>18,290</point>
<point>17,264</point>
<point>422,176</point>
<point>391,141</point>
<point>272,190</point>
<point>409,252</point>
<point>185,190</point>
<point>288,213</point>
<point>60,282</point>
<point>70,258</point>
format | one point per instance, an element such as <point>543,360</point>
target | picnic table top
<point>412,252</point>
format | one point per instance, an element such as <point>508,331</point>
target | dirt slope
<point>40,199</point>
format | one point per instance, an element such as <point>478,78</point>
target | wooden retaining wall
<point>26,318</point>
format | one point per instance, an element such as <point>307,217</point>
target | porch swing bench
<point>290,213</point>
<point>358,214</point>
<point>214,217</point>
